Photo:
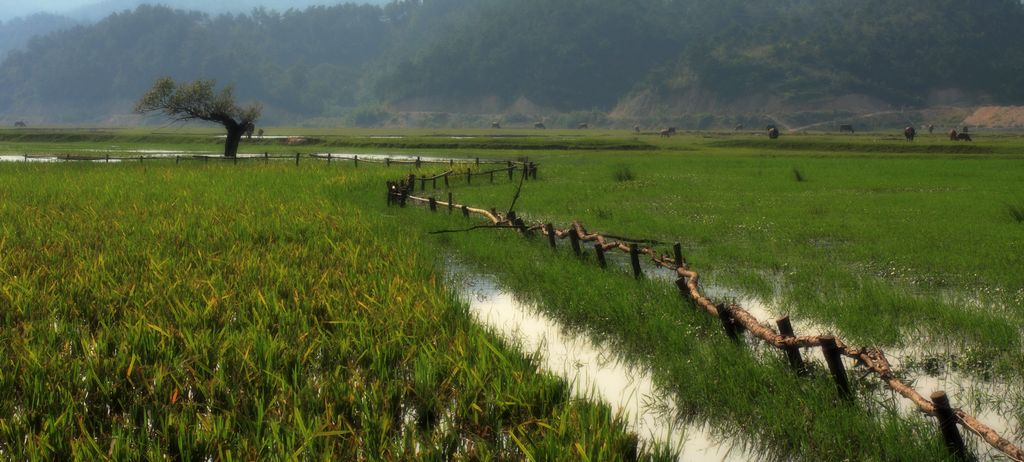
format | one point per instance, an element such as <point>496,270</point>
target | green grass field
<point>268,309</point>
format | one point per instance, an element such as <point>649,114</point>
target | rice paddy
<point>267,310</point>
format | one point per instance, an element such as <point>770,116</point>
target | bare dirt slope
<point>996,117</point>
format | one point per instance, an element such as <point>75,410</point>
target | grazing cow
<point>583,126</point>
<point>636,129</point>
<point>259,134</point>
<point>963,137</point>
<point>495,125</point>
<point>249,128</point>
<point>773,133</point>
<point>909,133</point>
<point>846,128</point>
<point>667,132</point>
<point>953,134</point>
<point>931,128</point>
<point>20,124</point>
<point>539,125</point>
<point>739,127</point>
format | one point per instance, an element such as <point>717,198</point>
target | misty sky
<point>96,9</point>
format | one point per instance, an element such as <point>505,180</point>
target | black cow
<point>773,133</point>
<point>909,133</point>
<point>846,128</point>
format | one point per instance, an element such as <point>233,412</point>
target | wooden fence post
<point>477,161</point>
<point>533,170</point>
<point>550,229</point>
<point>492,176</point>
<point>677,249</point>
<point>835,364</point>
<point>176,159</point>
<point>266,156</point>
<point>446,178</point>
<point>521,226</point>
<point>355,161</point>
<point>510,170</point>
<point>296,158</point>
<point>574,240</point>
<point>725,315</point>
<point>599,250</point>
<point>634,259</point>
<point>417,161</point>
<point>792,352</point>
<point>387,161</point>
<point>433,204</point>
<point>947,423</point>
<point>469,176</point>
<point>328,158</point>
<point>465,211</point>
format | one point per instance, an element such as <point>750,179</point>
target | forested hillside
<point>635,59</point>
<point>15,33</point>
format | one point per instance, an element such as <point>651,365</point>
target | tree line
<point>570,55</point>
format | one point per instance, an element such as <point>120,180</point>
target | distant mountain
<point>92,10</point>
<point>607,61</point>
<point>16,33</point>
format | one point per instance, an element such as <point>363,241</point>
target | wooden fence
<point>733,316</point>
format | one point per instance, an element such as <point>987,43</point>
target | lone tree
<point>196,100</point>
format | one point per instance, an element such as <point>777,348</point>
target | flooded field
<point>927,368</point>
<point>594,370</point>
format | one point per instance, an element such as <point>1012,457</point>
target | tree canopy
<point>198,101</point>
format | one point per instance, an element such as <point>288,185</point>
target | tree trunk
<point>235,132</point>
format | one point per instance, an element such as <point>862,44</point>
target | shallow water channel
<point>593,370</point>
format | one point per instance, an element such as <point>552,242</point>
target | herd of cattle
<point>910,132</point>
